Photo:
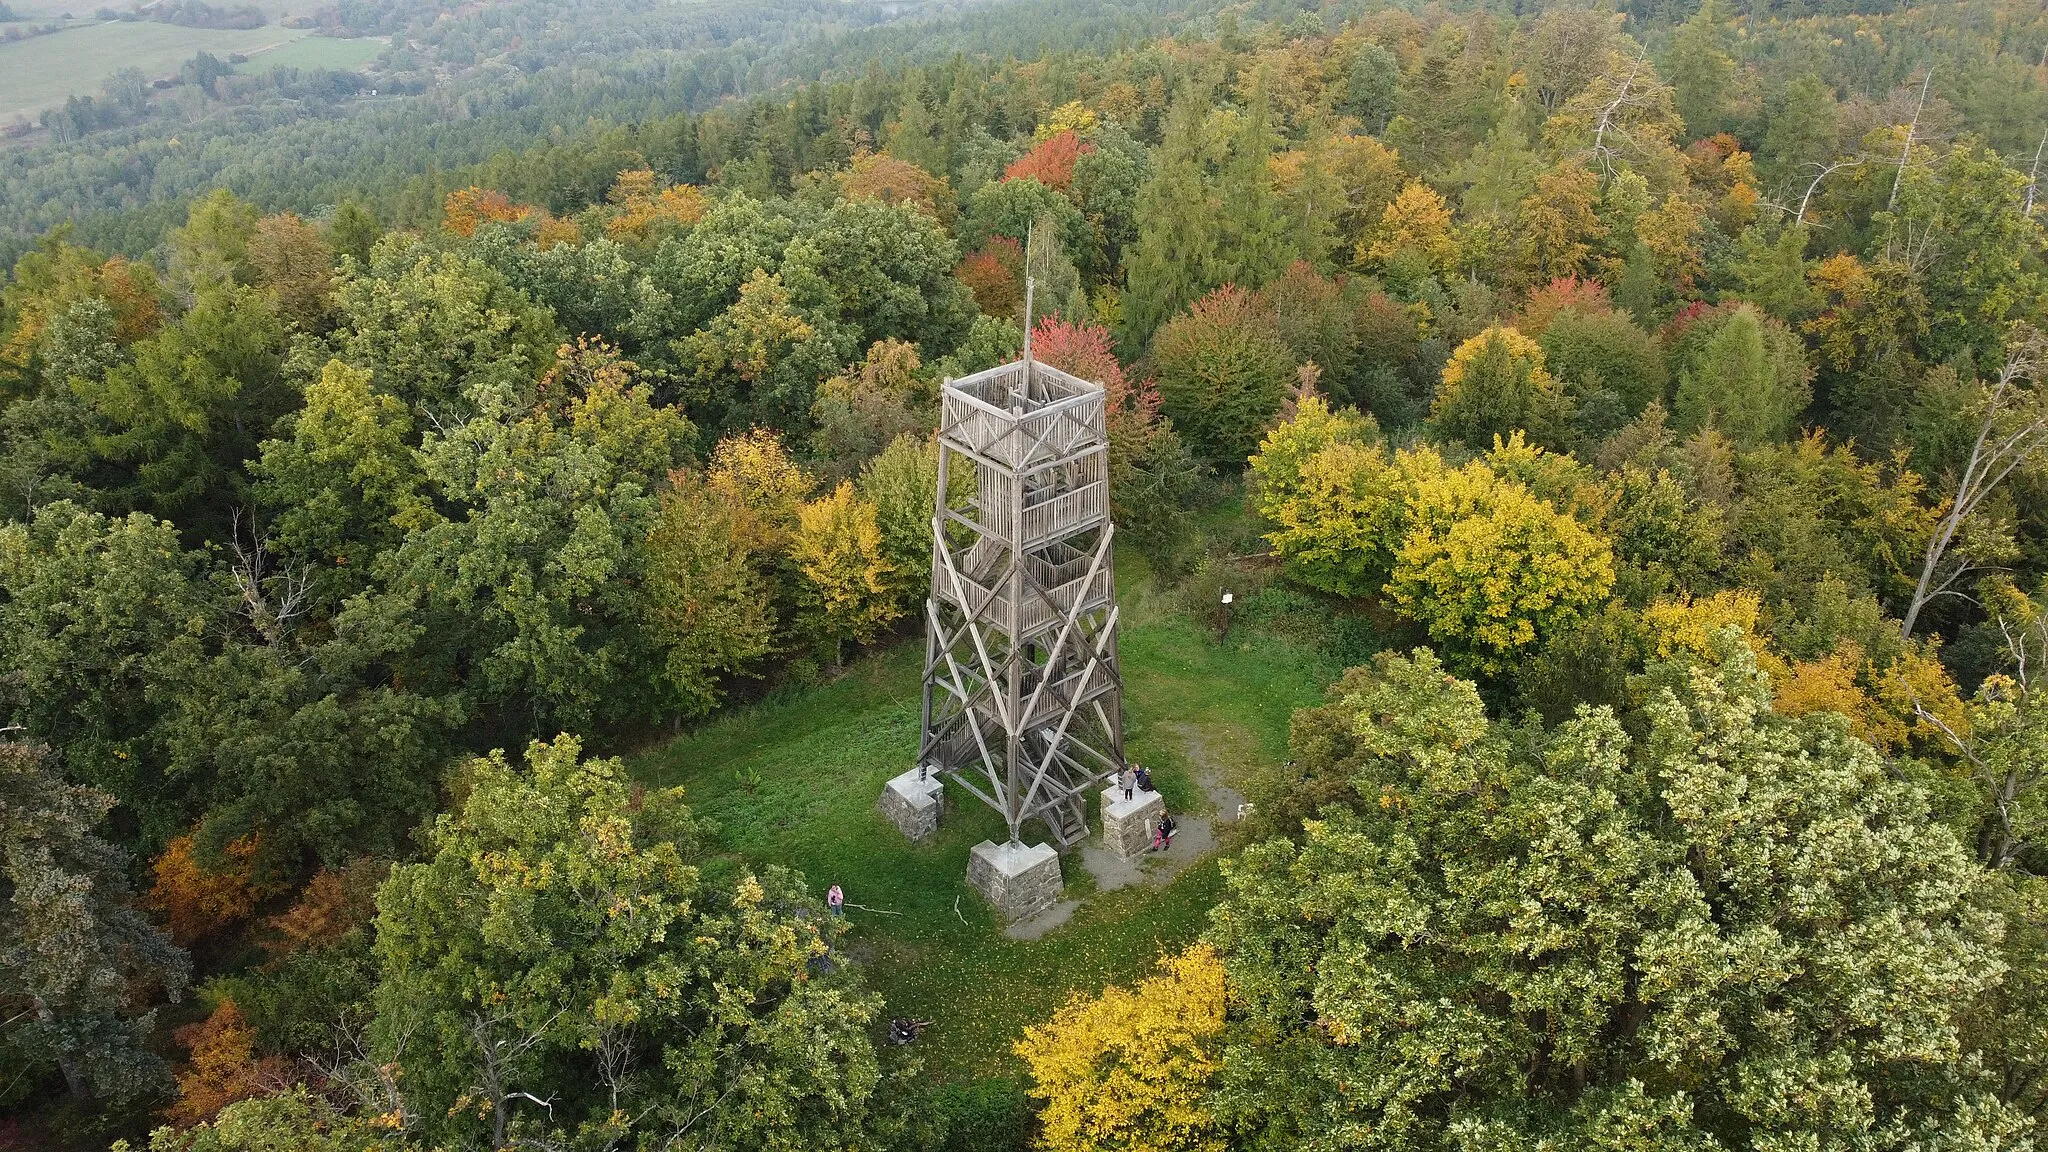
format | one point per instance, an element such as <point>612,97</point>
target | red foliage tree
<point>1050,161</point>
<point>1084,350</point>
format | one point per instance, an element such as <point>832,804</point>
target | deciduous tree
<point>78,960</point>
<point>1682,894</point>
<point>1128,1069</point>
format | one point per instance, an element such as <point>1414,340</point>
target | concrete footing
<point>913,804</point>
<point>1127,824</point>
<point>1019,880</point>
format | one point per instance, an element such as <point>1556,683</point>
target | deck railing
<point>995,416</point>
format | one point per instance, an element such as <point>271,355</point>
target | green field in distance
<point>41,71</point>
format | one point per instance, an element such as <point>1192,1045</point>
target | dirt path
<point>1193,842</point>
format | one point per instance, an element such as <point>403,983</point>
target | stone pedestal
<point>913,805</point>
<point>1127,824</point>
<point>1019,880</point>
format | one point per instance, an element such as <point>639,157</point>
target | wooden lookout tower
<point>1023,699</point>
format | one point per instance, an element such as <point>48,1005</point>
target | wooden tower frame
<point>1023,696</point>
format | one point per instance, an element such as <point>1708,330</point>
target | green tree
<point>1743,374</point>
<point>89,601</point>
<point>706,605</point>
<point>1963,220</point>
<point>1371,85</point>
<point>902,482</point>
<point>429,326</point>
<point>212,249</point>
<point>560,969</point>
<point>77,957</point>
<point>1517,937</point>
<point>1702,71</point>
<point>344,481</point>
<point>1174,260</point>
<point>1254,241</point>
<point>527,584</point>
<point>353,231</point>
<point>1803,136</point>
<point>197,400</point>
<point>1495,384</point>
<point>1609,368</point>
<point>1223,373</point>
<point>758,363</point>
<point>881,271</point>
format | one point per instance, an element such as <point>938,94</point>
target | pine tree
<point>1702,71</point>
<point>1174,260</point>
<point>1254,240</point>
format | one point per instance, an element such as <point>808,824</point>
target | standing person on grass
<point>835,900</point>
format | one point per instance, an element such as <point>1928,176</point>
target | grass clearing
<point>795,780</point>
<point>342,55</point>
<point>41,71</point>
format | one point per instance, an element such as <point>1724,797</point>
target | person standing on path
<point>835,900</point>
<point>1128,780</point>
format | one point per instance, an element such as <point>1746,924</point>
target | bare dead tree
<point>499,1052</point>
<point>1826,170</point>
<point>270,602</point>
<point>1906,152</point>
<point>1624,97</point>
<point>2012,429</point>
<point>2034,173</point>
<point>350,1067</point>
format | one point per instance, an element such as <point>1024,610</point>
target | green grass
<point>41,71</point>
<point>794,780</point>
<point>342,55</point>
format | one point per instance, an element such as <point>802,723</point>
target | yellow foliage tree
<point>1417,220</point>
<point>644,210</point>
<point>1073,116</point>
<point>754,475</point>
<point>844,596</point>
<point>1686,626</point>
<point>1487,566</point>
<point>1127,1070</point>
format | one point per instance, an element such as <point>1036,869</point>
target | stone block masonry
<point>1127,824</point>
<point>912,805</point>
<point>1019,880</point>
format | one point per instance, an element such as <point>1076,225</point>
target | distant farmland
<point>41,71</point>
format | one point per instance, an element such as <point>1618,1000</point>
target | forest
<point>1634,419</point>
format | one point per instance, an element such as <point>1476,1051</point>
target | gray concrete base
<point>1127,824</point>
<point>912,805</point>
<point>1019,880</point>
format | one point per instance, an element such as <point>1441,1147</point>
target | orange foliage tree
<point>1051,161</point>
<point>197,901</point>
<point>333,902</point>
<point>880,176</point>
<point>994,273</point>
<point>645,209</point>
<point>1566,293</point>
<point>224,1067</point>
<point>467,209</point>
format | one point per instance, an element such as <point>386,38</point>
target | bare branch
<point>1994,455</point>
<point>1912,127</point>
